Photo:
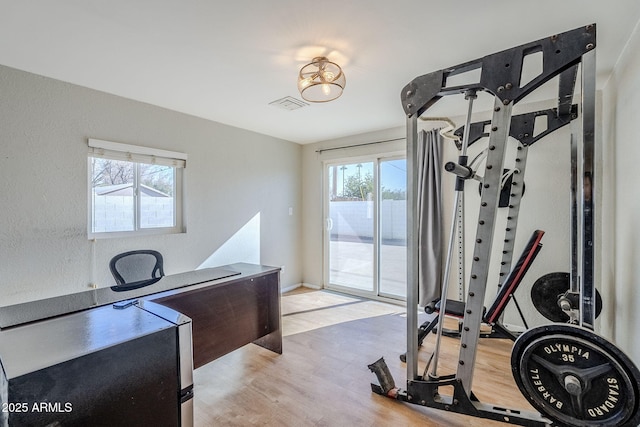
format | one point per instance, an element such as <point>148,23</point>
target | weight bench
<point>492,315</point>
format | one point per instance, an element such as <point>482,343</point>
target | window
<point>134,190</point>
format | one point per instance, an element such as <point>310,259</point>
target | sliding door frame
<point>376,159</point>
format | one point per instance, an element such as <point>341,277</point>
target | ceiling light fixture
<point>321,80</point>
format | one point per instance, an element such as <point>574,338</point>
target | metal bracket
<point>522,125</point>
<point>426,393</point>
<point>501,72</point>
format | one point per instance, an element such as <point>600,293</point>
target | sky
<point>393,172</point>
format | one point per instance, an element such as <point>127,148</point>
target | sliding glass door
<point>351,225</point>
<point>393,228</point>
<point>365,231</point>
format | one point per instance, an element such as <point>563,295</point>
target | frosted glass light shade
<point>321,80</point>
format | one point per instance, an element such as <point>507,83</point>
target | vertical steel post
<point>500,124</point>
<point>470,95</point>
<point>515,199</point>
<point>574,286</point>
<point>461,251</point>
<point>412,248</point>
<point>587,185</point>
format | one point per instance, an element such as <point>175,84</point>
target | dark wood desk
<point>108,365</point>
<point>100,367</point>
<point>230,306</point>
<point>230,313</point>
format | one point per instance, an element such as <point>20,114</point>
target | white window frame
<point>137,154</point>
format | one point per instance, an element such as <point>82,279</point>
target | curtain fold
<point>429,163</point>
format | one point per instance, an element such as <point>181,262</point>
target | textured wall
<point>621,269</point>
<point>232,175</point>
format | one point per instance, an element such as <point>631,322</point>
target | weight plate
<point>545,292</point>
<point>575,377</point>
<point>544,295</point>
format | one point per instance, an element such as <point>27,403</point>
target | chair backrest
<point>135,269</point>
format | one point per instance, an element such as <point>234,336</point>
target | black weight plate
<point>575,377</point>
<point>545,292</point>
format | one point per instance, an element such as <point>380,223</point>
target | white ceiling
<point>227,60</point>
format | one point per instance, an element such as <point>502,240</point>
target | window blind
<point>136,153</point>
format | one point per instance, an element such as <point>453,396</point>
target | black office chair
<point>136,269</point>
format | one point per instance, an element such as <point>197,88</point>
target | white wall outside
<point>354,219</point>
<point>116,213</point>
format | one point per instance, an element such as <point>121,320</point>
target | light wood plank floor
<point>322,379</point>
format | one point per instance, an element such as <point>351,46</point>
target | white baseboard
<point>515,328</point>
<point>299,285</point>
<point>290,288</point>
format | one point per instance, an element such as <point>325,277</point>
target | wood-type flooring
<point>322,379</point>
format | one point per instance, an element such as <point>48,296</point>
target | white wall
<point>621,269</point>
<point>233,179</point>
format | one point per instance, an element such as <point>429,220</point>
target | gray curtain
<point>429,164</point>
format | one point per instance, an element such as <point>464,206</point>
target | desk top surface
<point>28,348</point>
<point>19,314</point>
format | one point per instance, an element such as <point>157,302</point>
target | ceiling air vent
<point>288,103</point>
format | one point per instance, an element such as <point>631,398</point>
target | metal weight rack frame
<point>500,75</point>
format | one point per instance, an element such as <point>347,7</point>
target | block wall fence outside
<point>354,219</point>
<point>115,213</point>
